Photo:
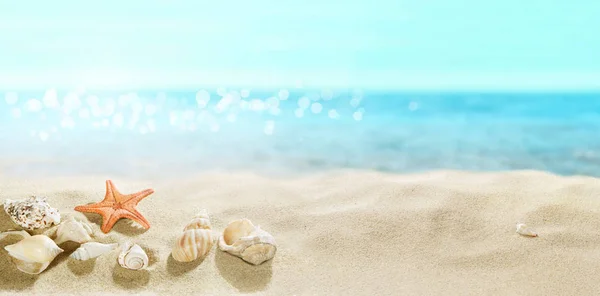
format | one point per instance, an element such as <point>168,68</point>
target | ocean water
<point>281,131</point>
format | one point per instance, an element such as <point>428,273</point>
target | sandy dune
<point>342,233</point>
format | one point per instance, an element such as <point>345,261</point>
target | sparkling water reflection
<point>297,131</point>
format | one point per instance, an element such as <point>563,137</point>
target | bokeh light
<point>59,112</point>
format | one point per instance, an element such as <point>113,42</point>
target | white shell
<point>92,250</point>
<point>522,229</point>
<point>72,230</point>
<point>33,254</point>
<point>132,257</point>
<point>196,240</point>
<point>254,245</point>
<point>32,213</point>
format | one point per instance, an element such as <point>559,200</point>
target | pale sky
<point>392,44</point>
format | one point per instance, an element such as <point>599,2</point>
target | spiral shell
<point>72,230</point>
<point>254,245</point>
<point>196,240</point>
<point>32,213</point>
<point>92,250</point>
<point>132,257</point>
<point>33,254</point>
<point>200,221</point>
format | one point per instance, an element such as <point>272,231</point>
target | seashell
<point>92,250</point>
<point>196,240</point>
<point>254,245</point>
<point>72,230</point>
<point>33,254</point>
<point>132,257</point>
<point>32,213</point>
<point>200,221</point>
<point>522,229</point>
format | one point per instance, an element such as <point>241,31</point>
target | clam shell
<point>522,229</point>
<point>92,250</point>
<point>32,213</point>
<point>132,257</point>
<point>254,245</point>
<point>33,254</point>
<point>72,230</point>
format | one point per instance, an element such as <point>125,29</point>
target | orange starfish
<point>116,206</point>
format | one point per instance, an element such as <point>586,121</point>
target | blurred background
<point>154,87</point>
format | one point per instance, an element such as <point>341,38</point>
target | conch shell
<point>33,254</point>
<point>196,240</point>
<point>132,257</point>
<point>32,213</point>
<point>522,229</point>
<point>92,250</point>
<point>72,230</point>
<point>254,245</point>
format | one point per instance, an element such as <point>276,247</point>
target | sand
<point>339,233</point>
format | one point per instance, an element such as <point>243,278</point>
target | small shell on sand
<point>73,230</point>
<point>132,257</point>
<point>91,250</point>
<point>243,239</point>
<point>522,229</point>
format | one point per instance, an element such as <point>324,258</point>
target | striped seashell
<point>196,241</point>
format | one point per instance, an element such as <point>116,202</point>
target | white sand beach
<point>338,233</point>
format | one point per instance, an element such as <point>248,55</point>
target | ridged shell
<point>132,257</point>
<point>92,250</point>
<point>72,230</point>
<point>200,221</point>
<point>33,254</point>
<point>196,240</point>
<point>254,245</point>
<point>32,213</point>
<point>193,244</point>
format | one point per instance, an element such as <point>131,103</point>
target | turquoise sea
<point>281,131</point>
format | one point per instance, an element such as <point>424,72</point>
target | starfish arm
<point>109,222</point>
<point>135,198</point>
<point>110,192</point>
<point>136,216</point>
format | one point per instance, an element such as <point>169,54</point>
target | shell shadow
<point>130,279</point>
<point>177,268</point>
<point>81,267</point>
<point>11,278</point>
<point>78,267</point>
<point>234,269</point>
<point>153,255</point>
<point>68,248</point>
<point>123,226</point>
<point>5,222</point>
